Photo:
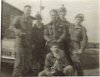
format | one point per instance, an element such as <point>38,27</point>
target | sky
<point>88,7</point>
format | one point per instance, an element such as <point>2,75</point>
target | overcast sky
<point>88,7</point>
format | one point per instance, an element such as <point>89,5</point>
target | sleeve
<point>63,34</point>
<point>33,35</point>
<point>85,39</point>
<point>46,35</point>
<point>14,25</point>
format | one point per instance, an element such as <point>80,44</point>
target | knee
<point>68,70</point>
<point>69,67</point>
<point>40,74</point>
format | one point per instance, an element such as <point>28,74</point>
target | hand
<point>56,55</point>
<point>58,41</point>
<point>79,51</point>
<point>19,33</point>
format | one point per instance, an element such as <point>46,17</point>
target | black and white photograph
<point>41,38</point>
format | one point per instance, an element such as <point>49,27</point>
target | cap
<point>62,9</point>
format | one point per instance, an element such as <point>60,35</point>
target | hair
<point>54,10</point>
<point>81,16</point>
<point>38,17</point>
<point>27,6</point>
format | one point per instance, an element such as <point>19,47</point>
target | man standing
<point>54,31</point>
<point>22,26</point>
<point>38,43</point>
<point>79,40</point>
<point>66,44</point>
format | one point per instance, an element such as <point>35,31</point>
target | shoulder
<point>83,28</point>
<point>16,19</point>
<point>67,22</point>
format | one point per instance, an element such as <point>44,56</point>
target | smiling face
<point>54,48</point>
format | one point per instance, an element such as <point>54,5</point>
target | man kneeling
<point>56,62</point>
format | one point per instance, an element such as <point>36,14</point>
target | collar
<point>77,26</point>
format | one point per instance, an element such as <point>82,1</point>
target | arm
<point>14,26</point>
<point>85,39</point>
<point>46,35</point>
<point>63,35</point>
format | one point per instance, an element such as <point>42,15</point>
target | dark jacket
<point>54,32</point>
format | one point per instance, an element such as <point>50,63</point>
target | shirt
<point>54,31</point>
<point>78,34</point>
<point>51,60</point>
<point>21,24</point>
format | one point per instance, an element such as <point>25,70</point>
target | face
<point>78,20</point>
<point>27,11</point>
<point>54,16</point>
<point>38,20</point>
<point>54,48</point>
<point>62,14</point>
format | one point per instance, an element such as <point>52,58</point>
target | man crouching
<point>56,62</point>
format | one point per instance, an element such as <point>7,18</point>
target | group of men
<point>60,41</point>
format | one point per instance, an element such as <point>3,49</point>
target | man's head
<point>27,10</point>
<point>54,14</point>
<point>38,17</point>
<point>54,46</point>
<point>79,18</point>
<point>62,12</point>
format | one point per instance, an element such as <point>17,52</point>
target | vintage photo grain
<point>49,38</point>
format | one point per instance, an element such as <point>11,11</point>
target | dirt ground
<point>89,60</point>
